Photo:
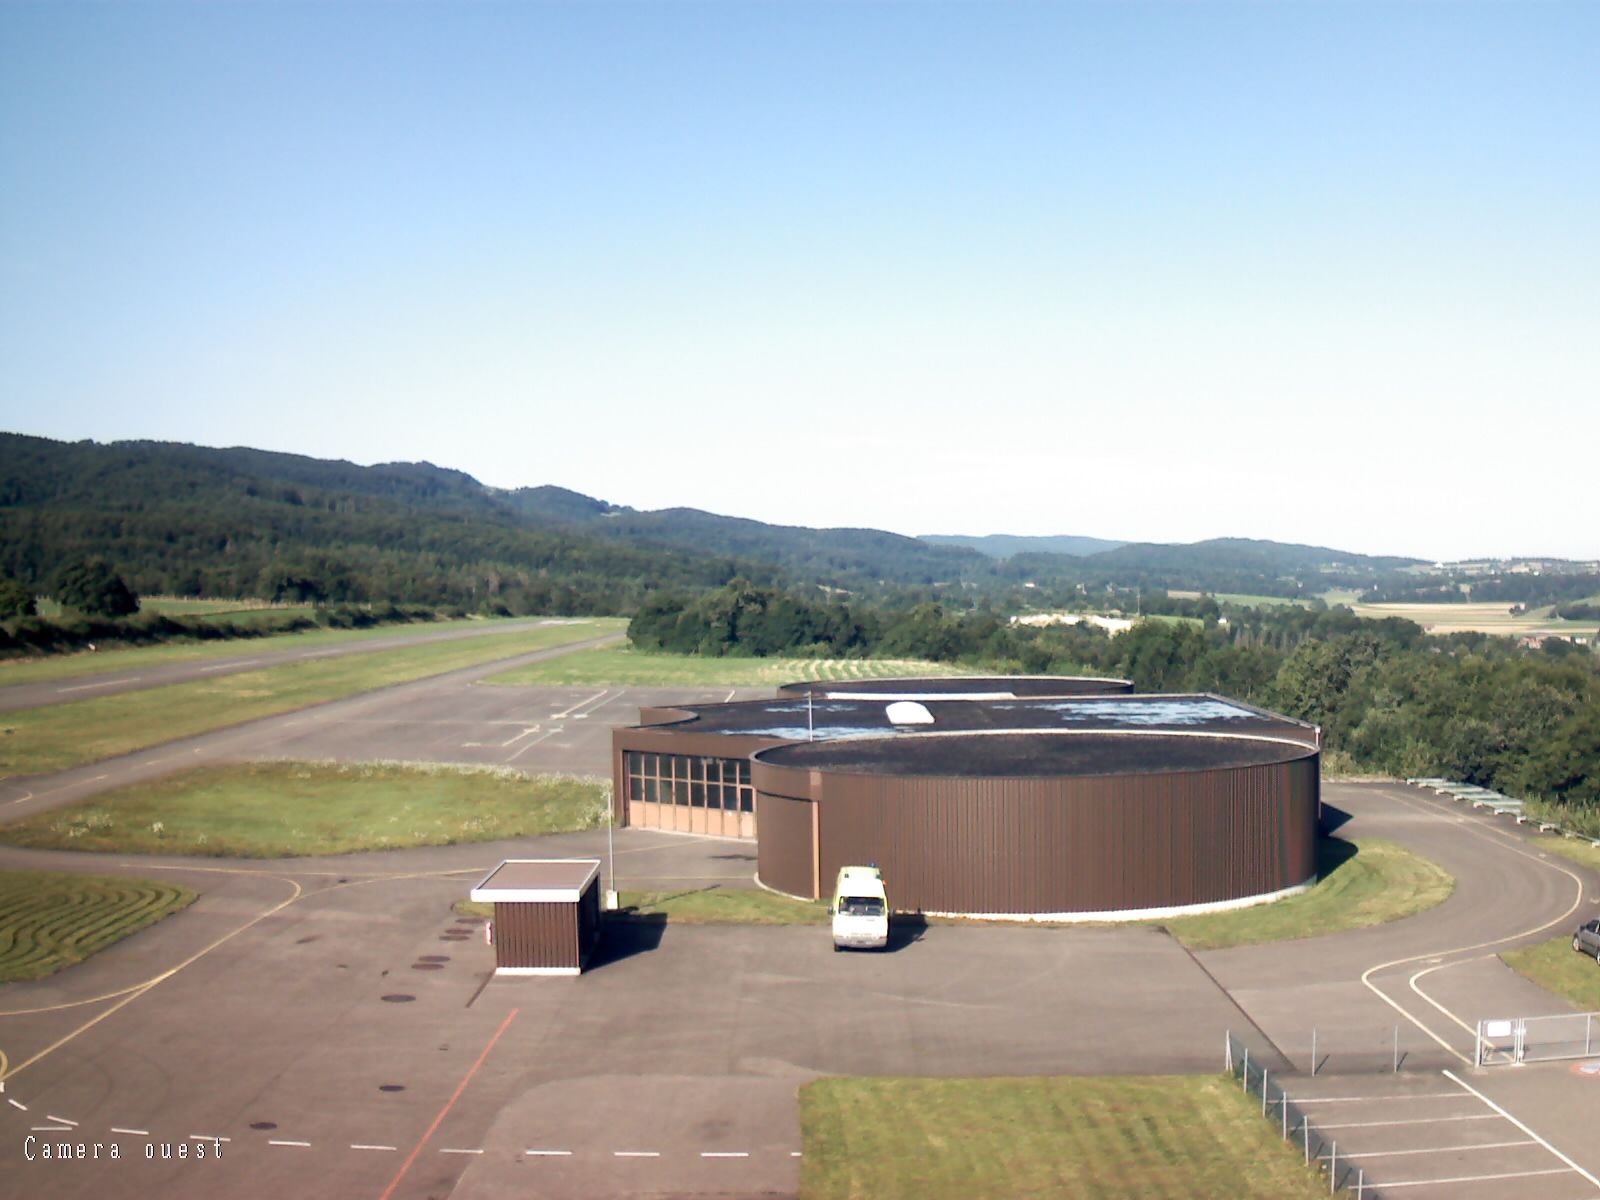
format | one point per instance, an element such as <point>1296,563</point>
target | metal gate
<point>1507,1041</point>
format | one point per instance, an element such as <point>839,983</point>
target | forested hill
<point>1006,545</point>
<point>1246,554</point>
<point>191,520</point>
<point>850,558</point>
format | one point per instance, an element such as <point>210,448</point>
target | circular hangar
<point>1017,798</point>
<point>1091,824</point>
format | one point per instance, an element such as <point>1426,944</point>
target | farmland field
<point>1477,618</point>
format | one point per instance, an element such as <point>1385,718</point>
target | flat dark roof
<point>797,719</point>
<point>1031,755</point>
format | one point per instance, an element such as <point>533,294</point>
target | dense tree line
<point>77,631</point>
<point>1389,698</point>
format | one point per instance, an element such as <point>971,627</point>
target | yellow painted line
<point>148,985</point>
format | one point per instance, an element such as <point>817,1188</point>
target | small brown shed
<point>546,914</point>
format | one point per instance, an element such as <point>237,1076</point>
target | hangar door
<point>690,793</point>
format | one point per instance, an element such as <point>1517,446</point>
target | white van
<point>860,910</point>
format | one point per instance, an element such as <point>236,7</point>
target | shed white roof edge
<point>486,890</point>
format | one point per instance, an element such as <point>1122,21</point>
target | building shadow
<point>1330,818</point>
<point>1333,853</point>
<point>624,935</point>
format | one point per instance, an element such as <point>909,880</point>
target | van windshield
<point>861,906</point>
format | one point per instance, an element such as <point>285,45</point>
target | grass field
<point>235,612</point>
<point>1242,599</point>
<point>1133,1138</point>
<point>50,920</point>
<point>1477,618</point>
<point>1557,968</point>
<point>622,666</point>
<point>130,658</point>
<point>1370,882</point>
<point>284,810</point>
<point>59,736</point>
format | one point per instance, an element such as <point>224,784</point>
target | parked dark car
<point>1587,939</point>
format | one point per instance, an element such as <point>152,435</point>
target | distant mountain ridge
<point>1006,545</point>
<point>196,520</point>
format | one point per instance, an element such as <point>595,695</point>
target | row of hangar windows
<point>690,780</point>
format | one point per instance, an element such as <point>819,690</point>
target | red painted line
<point>445,1111</point>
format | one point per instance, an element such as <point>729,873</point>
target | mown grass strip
<point>132,658</point>
<point>285,810</point>
<point>1366,883</point>
<point>1135,1138</point>
<point>1370,882</point>
<point>1578,850</point>
<point>1559,969</point>
<point>724,906</point>
<point>59,736</point>
<point>623,666</point>
<point>50,920</point>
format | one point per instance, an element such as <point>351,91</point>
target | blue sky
<point>1322,272</point>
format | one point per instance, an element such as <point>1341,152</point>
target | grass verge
<point>622,666</point>
<point>59,736</point>
<point>285,810</point>
<point>700,906</point>
<point>127,658</point>
<point>725,906</point>
<point>1136,1138</point>
<point>1364,883</point>
<point>50,920</point>
<point>1558,969</point>
<point>1573,849</point>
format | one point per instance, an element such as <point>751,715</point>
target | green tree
<point>15,600</point>
<point>92,586</point>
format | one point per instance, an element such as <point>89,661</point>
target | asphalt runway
<point>259,656</point>
<point>339,1025</point>
<point>444,718</point>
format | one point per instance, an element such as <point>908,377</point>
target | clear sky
<point>1320,272</point>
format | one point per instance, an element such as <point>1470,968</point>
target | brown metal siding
<point>784,851</point>
<point>1072,845</point>
<point>537,934</point>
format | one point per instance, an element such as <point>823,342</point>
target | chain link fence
<point>1293,1124</point>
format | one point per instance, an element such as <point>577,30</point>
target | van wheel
<point>1577,945</point>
